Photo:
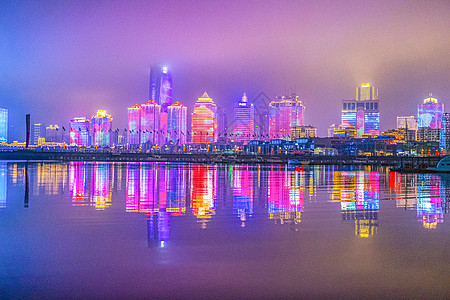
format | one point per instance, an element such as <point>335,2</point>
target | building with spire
<point>204,121</point>
<point>285,112</point>
<point>363,112</point>
<point>161,86</point>
<point>177,122</point>
<point>244,120</point>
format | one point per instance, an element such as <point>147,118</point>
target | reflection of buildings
<point>78,183</point>
<point>203,192</point>
<point>51,178</point>
<point>358,193</point>
<point>242,193</point>
<point>101,183</point>
<point>159,191</point>
<point>3,183</point>
<point>285,196</point>
<point>429,204</point>
<point>405,188</point>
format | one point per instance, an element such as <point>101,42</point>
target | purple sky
<point>64,59</point>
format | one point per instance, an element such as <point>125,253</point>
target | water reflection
<point>280,194</point>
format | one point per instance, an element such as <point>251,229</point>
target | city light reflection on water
<point>246,217</point>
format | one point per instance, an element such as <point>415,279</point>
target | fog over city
<point>65,59</point>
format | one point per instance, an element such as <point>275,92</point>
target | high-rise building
<point>429,114</point>
<point>204,121</point>
<point>3,124</point>
<point>53,133</point>
<point>161,86</point>
<point>222,122</point>
<point>134,125</point>
<point>38,132</point>
<point>262,124</point>
<point>177,123</point>
<point>331,130</point>
<point>244,120</point>
<point>299,132</point>
<point>79,131</point>
<point>284,113</point>
<point>150,123</point>
<point>444,140</point>
<point>101,129</point>
<point>363,112</point>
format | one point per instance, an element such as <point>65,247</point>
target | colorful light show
<point>284,113</point>
<point>134,125</point>
<point>203,192</point>
<point>101,129</point>
<point>101,182</point>
<point>150,123</point>
<point>78,183</point>
<point>80,132</point>
<point>204,121</point>
<point>429,203</point>
<point>177,123</point>
<point>244,120</point>
<point>429,114</point>
<point>243,193</point>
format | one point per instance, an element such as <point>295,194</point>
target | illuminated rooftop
<point>150,102</point>
<point>101,114</point>
<point>136,106</point>
<point>177,104</point>
<point>430,99</point>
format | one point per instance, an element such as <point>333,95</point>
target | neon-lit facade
<point>429,200</point>
<point>78,183</point>
<point>284,113</point>
<point>429,114</point>
<point>363,112</point>
<point>3,124</point>
<point>150,122</point>
<point>177,123</point>
<point>53,133</point>
<point>79,131</point>
<point>204,121</point>
<point>244,120</point>
<point>134,125</point>
<point>101,129</point>
<point>161,87</point>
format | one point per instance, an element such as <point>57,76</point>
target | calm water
<point>103,230</point>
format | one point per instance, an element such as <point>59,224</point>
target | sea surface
<point>170,230</point>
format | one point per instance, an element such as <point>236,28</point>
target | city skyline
<point>103,62</point>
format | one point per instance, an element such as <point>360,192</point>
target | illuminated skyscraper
<point>444,140</point>
<point>38,131</point>
<point>161,86</point>
<point>3,124</point>
<point>177,123</point>
<point>244,120</point>
<point>134,125</point>
<point>429,114</point>
<point>363,112</point>
<point>284,113</point>
<point>101,129</point>
<point>79,131</point>
<point>150,123</point>
<point>204,121</point>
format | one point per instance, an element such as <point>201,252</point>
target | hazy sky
<point>63,59</point>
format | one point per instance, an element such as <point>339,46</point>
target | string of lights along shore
<point>162,121</point>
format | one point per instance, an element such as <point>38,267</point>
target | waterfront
<point>108,230</point>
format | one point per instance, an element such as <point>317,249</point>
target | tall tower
<point>161,87</point>
<point>244,120</point>
<point>176,128</point>
<point>429,114</point>
<point>362,113</point>
<point>204,121</point>
<point>284,113</point>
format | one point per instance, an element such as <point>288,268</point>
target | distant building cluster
<point>161,122</point>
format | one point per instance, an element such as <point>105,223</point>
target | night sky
<point>64,59</point>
